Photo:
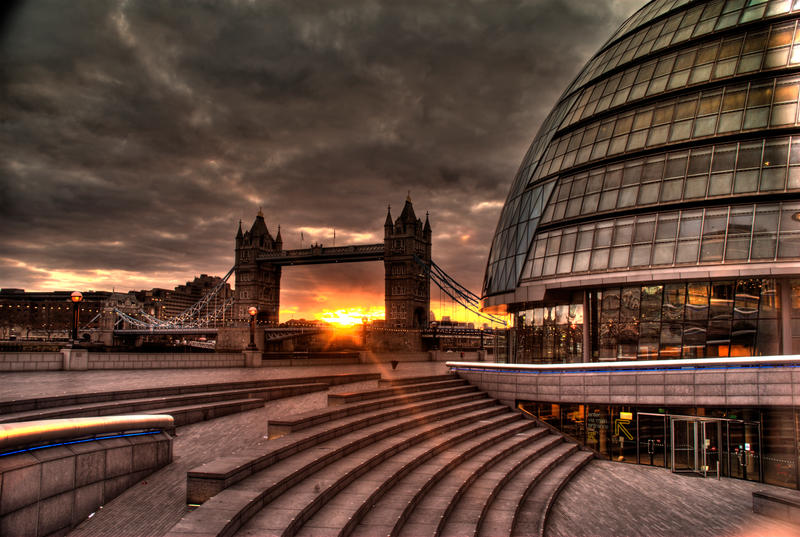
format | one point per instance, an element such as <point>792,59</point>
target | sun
<point>350,316</point>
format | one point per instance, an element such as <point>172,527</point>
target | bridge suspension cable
<point>191,317</point>
<point>456,291</point>
<point>86,326</point>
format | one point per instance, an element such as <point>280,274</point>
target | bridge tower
<point>257,284</point>
<point>408,289</point>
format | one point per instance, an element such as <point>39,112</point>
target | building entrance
<point>700,445</point>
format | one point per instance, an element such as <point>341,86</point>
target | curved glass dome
<point>677,145</point>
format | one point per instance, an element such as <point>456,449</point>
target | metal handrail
<point>638,364</point>
<point>31,433</point>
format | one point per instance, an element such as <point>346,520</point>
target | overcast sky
<point>135,134</point>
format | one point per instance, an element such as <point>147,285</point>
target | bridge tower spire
<point>257,284</point>
<point>408,300</point>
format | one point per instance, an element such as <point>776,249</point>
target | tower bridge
<point>405,252</point>
<point>260,259</point>
<point>318,254</point>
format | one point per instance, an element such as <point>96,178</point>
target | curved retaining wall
<point>56,361</point>
<point>731,382</point>
<point>50,490</point>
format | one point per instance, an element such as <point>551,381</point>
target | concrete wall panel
<point>55,489</point>
<point>732,387</point>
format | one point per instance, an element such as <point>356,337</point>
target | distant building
<point>166,303</point>
<point>44,315</point>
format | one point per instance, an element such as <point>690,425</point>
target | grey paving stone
<point>635,500</point>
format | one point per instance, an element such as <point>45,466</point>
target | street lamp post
<point>76,298</point>
<point>252,310</point>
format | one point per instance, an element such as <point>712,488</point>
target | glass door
<point>684,433</point>
<point>712,439</point>
<point>651,441</point>
<point>744,449</point>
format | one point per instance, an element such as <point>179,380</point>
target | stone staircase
<point>186,404</point>
<point>424,456</point>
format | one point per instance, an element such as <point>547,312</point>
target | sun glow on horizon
<point>351,316</point>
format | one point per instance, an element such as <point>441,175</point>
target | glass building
<point>656,214</point>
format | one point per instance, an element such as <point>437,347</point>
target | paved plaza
<point>49,383</point>
<point>609,498</point>
<point>604,499</point>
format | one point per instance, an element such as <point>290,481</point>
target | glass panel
<point>720,184</point>
<point>629,304</point>
<point>671,339</point>
<point>718,338</point>
<point>663,253</point>
<point>691,222</point>
<point>651,296</point>
<point>694,339</point>
<point>645,227</point>
<point>722,293</point>
<point>640,255</point>
<point>780,448</point>
<point>649,336</point>
<point>695,187</point>
<point>674,300</point>
<point>599,259</point>
<point>714,227</point>
<point>697,301</point>
<point>609,320</point>
<point>739,228</point>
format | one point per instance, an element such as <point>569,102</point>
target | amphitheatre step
<point>355,397</point>
<point>497,515</point>
<point>466,508</point>
<point>208,479</point>
<point>229,509</point>
<point>298,422</point>
<point>22,405</point>
<point>425,515</point>
<point>530,515</point>
<point>410,479</point>
<point>288,514</point>
<point>416,380</point>
<point>184,415</point>
<point>149,404</point>
<point>419,510</point>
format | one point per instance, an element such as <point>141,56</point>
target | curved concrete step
<point>412,471</point>
<point>402,389</point>
<point>423,513</point>
<point>209,479</point>
<point>298,422</point>
<point>530,515</point>
<point>227,510</point>
<point>394,458</point>
<point>184,415</point>
<point>415,380</point>
<point>467,508</point>
<point>388,507</point>
<point>149,404</point>
<point>22,405</point>
<point>497,516</point>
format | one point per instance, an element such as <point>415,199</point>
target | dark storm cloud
<point>135,134</point>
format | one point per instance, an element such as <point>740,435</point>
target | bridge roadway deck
<point>624,499</point>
